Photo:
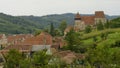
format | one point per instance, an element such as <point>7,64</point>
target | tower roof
<point>99,14</point>
<point>77,16</point>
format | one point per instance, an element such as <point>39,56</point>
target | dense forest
<point>28,24</point>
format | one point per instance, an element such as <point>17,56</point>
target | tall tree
<point>88,29</point>
<point>62,26</point>
<point>73,40</point>
<point>52,29</point>
<point>107,24</point>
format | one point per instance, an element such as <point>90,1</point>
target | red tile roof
<point>18,37</point>
<point>99,14</point>
<point>42,39</point>
<point>89,20</point>
<point>58,42</point>
<point>69,56</point>
<point>21,48</point>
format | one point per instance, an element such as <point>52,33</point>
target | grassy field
<point>112,38</point>
<point>97,33</point>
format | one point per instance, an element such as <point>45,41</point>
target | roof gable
<point>99,14</point>
<point>89,20</point>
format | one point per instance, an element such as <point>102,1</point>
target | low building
<point>18,38</point>
<point>69,57</point>
<point>3,40</point>
<point>58,42</point>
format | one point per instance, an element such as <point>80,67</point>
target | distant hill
<point>57,18</point>
<point>28,24</point>
<point>11,24</point>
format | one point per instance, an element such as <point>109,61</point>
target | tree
<point>95,39</point>
<point>100,26</point>
<point>73,40</point>
<point>37,32</point>
<point>115,23</point>
<point>104,36</point>
<point>88,29</point>
<point>57,32</point>
<point>52,29</point>
<point>107,24</point>
<point>40,58</point>
<point>13,59</point>
<point>62,26</point>
<point>25,63</point>
<point>104,56</point>
<point>99,58</point>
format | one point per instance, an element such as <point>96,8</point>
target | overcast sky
<point>44,7</point>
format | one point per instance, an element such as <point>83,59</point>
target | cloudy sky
<point>44,7</point>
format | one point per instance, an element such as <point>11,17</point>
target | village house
<point>68,56</point>
<point>18,38</point>
<point>58,42</point>
<point>3,40</point>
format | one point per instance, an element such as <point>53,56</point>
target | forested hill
<point>28,24</point>
<point>11,24</point>
<point>56,19</point>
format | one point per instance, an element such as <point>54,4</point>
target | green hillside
<point>28,24</point>
<point>11,24</point>
<point>56,19</point>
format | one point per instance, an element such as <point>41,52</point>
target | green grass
<point>90,41</point>
<point>97,33</point>
<point>112,38</point>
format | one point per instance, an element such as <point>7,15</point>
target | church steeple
<point>77,16</point>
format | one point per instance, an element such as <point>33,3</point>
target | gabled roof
<point>42,39</point>
<point>12,38</point>
<point>89,20</point>
<point>99,14</point>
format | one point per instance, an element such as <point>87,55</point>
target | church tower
<point>79,24</point>
<point>100,17</point>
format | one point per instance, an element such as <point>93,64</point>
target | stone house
<point>3,40</point>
